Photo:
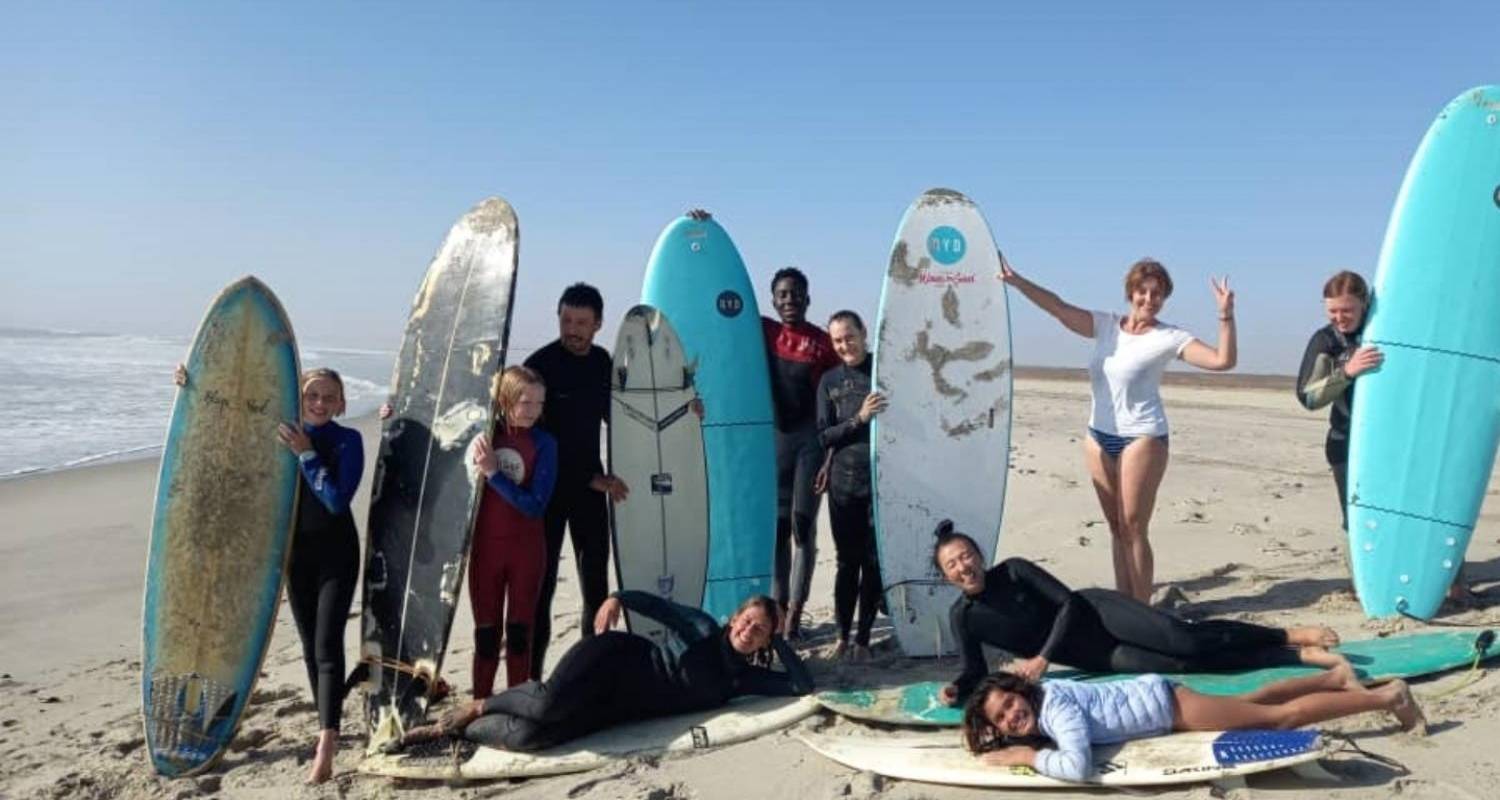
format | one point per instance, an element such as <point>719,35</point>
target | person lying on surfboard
<point>1021,608</point>
<point>324,565</point>
<point>1012,721</point>
<point>616,677</point>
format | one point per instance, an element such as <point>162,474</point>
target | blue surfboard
<point>698,280</point>
<point>225,505</point>
<point>1425,425</point>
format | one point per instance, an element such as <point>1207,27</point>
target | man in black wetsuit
<point>577,375</point>
<point>798,352</point>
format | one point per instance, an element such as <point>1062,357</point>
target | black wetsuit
<point>619,677</point>
<point>577,403</point>
<point>841,392</point>
<point>1026,611</point>
<point>1321,382</point>
<point>324,566</point>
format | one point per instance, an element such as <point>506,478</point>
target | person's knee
<point>487,642</point>
<point>517,638</point>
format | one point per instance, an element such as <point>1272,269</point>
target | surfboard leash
<point>1482,644</point>
<point>1347,744</point>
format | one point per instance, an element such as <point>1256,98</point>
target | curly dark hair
<point>979,735</point>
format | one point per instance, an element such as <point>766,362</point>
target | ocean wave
<point>123,454</point>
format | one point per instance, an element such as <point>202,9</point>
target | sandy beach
<point>1246,527</point>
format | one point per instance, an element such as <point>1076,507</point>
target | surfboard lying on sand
<point>941,449</point>
<point>743,719</point>
<point>423,498</point>
<point>1374,660</point>
<point>656,446</point>
<point>221,532</point>
<point>1158,761</point>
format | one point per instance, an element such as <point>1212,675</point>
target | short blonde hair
<point>1144,270</point>
<point>509,383</point>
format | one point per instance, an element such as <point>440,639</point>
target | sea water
<point>68,399</point>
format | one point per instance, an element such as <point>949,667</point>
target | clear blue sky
<point>153,153</point>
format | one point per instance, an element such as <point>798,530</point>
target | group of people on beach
<point>543,475</point>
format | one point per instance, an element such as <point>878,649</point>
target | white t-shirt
<point>1125,375</point>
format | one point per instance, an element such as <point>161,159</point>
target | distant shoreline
<point>1196,378</point>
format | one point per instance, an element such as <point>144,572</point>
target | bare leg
<point>1336,679</point>
<point>1198,712</point>
<point>1105,473</point>
<point>1143,463</point>
<point>1312,636</point>
<point>322,765</point>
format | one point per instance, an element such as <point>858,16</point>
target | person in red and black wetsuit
<point>577,375</point>
<point>508,557</point>
<point>799,352</point>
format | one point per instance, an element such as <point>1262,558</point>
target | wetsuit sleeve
<point>795,682</point>
<point>1319,381</point>
<point>531,500</point>
<point>970,649</point>
<point>1073,758</point>
<point>833,432</point>
<point>1042,582</point>
<point>335,492</point>
<point>689,624</point>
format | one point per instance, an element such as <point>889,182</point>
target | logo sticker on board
<point>946,245</point>
<point>730,303</point>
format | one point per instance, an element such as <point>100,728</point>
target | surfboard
<point>423,498</point>
<point>1424,426</point>
<point>1158,761</point>
<point>656,446</point>
<point>1374,661</point>
<point>221,529</point>
<point>745,718</point>
<point>942,447</point>
<point>697,279</point>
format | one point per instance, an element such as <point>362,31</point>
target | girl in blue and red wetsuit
<point>508,556</point>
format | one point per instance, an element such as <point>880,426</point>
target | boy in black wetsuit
<point>798,352</point>
<point>577,375</point>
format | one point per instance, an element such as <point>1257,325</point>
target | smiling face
<point>576,327</point>
<point>962,566</point>
<point>789,297</point>
<point>1146,299</point>
<point>322,400</point>
<point>750,630</point>
<point>1346,312</point>
<point>848,341</point>
<point>1010,713</point>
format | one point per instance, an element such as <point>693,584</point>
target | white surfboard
<point>742,720</point>
<point>941,448</point>
<point>656,447</point>
<point>1162,760</point>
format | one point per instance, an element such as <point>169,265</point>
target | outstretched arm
<point>1223,357</point>
<point>1072,317</point>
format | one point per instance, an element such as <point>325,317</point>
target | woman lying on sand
<point>616,677</point>
<point>1021,608</point>
<point>1012,721</point>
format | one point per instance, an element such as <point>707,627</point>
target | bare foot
<point>1344,673</point>
<point>1312,636</point>
<point>322,764</point>
<point>1315,656</point>
<point>1405,708</point>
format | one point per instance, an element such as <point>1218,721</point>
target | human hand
<point>180,376</point>
<point>1223,297</point>
<point>1007,274</point>
<point>294,438</point>
<point>1364,359</point>
<point>608,615</point>
<point>874,403</point>
<point>948,694</point>
<point>1013,756</point>
<point>483,456</point>
<point>696,406</point>
<point>820,480</point>
<point>698,215</point>
<point>612,486</point>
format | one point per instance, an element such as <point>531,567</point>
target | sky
<point>150,154</point>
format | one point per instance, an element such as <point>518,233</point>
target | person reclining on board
<point>1021,608</point>
<point>616,677</point>
<point>1012,721</point>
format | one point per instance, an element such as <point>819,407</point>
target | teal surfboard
<point>698,280</point>
<point>1375,660</point>
<point>1425,425</point>
<point>221,531</point>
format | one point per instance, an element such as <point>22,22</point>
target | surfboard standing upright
<point>941,448</point>
<point>424,498</point>
<point>221,530</point>
<point>1425,424</point>
<point>656,447</point>
<point>697,279</point>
